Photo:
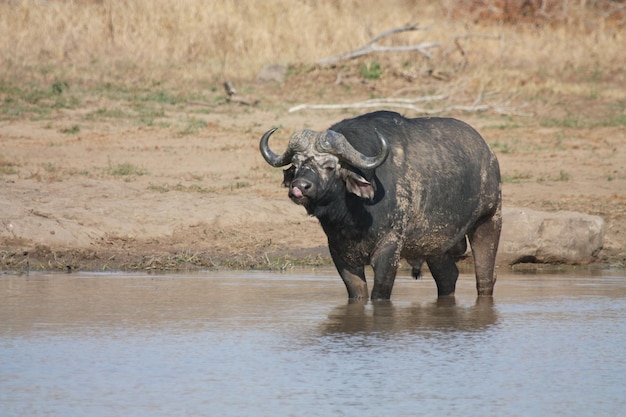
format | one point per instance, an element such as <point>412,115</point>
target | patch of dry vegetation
<point>98,41</point>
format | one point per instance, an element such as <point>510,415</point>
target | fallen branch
<point>371,47</point>
<point>417,109</point>
<point>409,104</point>
<point>233,97</point>
<point>374,102</point>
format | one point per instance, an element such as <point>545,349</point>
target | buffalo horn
<point>298,143</point>
<point>336,143</point>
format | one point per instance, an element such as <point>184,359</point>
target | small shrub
<point>516,177</point>
<point>371,71</point>
<point>125,169</point>
<point>72,130</point>
<point>7,167</point>
<point>193,126</point>
<point>58,87</point>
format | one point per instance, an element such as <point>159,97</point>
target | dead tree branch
<point>409,104</point>
<point>372,47</point>
<point>233,97</point>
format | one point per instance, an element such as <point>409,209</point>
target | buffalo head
<point>320,163</point>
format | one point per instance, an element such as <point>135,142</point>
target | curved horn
<point>298,143</point>
<point>336,143</point>
<point>273,159</point>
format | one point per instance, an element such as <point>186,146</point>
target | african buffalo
<point>386,187</point>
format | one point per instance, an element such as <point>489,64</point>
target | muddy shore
<point>92,190</point>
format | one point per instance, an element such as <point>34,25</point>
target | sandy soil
<point>109,192</point>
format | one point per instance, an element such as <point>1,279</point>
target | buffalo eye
<point>288,175</point>
<point>329,167</point>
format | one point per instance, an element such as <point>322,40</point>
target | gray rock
<point>273,72</point>
<point>549,237</point>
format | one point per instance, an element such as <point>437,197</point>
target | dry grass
<point>191,42</point>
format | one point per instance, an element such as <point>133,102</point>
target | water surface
<point>290,344</point>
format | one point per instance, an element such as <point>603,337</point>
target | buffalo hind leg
<point>457,251</point>
<point>484,240</point>
<point>444,271</point>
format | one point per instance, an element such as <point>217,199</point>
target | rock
<point>549,237</point>
<point>273,72</point>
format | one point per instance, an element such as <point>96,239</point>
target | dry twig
<point>409,104</point>
<point>233,97</point>
<point>371,47</point>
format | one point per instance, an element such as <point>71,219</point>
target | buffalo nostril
<point>301,184</point>
<point>301,187</point>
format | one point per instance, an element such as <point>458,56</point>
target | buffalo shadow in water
<point>383,317</point>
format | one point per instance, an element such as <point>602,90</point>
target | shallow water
<point>290,344</point>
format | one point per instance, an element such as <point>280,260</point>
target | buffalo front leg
<point>385,264</point>
<point>484,240</point>
<point>353,278</point>
<point>444,271</point>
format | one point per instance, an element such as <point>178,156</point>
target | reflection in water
<point>233,344</point>
<point>384,317</point>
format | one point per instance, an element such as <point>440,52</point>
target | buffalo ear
<point>358,185</point>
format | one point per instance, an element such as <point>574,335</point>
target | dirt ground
<point>95,188</point>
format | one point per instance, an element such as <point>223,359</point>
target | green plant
<point>516,177</point>
<point>563,176</point>
<point>502,147</point>
<point>159,96</point>
<point>615,120</point>
<point>237,185</point>
<point>105,112</point>
<point>8,167</point>
<point>568,122</point>
<point>164,188</point>
<point>58,87</point>
<point>193,126</point>
<point>125,169</point>
<point>147,114</point>
<point>50,167</point>
<point>72,130</point>
<point>509,124</point>
<point>20,98</point>
<point>370,70</point>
